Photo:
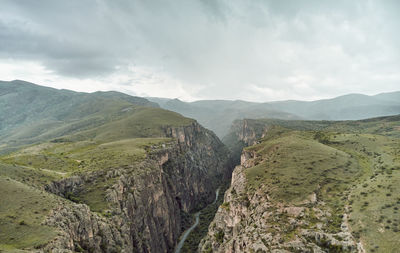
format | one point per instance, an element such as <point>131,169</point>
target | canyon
<point>109,172</point>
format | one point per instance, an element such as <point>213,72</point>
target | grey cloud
<point>224,46</point>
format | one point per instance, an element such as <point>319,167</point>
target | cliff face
<point>145,200</point>
<point>248,131</point>
<point>254,219</point>
<point>243,133</point>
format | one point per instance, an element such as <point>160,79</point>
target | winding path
<point>188,231</point>
<point>49,171</point>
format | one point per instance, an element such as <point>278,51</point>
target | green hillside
<point>30,113</point>
<point>353,167</point>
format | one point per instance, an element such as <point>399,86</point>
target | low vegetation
<point>22,211</point>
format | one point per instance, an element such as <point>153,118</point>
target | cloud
<point>255,50</point>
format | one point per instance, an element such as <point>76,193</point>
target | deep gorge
<point>183,177</point>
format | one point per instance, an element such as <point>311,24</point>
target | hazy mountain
<point>218,115</point>
<point>347,107</point>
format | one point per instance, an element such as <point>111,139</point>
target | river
<point>216,196</point>
<point>189,230</point>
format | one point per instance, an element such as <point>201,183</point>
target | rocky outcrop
<point>81,230</point>
<point>146,199</point>
<point>252,222</point>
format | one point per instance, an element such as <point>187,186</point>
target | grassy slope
<point>357,166</point>
<point>295,166</point>
<point>140,122</point>
<point>374,201</point>
<point>22,210</point>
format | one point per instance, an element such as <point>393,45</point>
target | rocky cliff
<point>252,222</point>
<point>257,216</point>
<point>145,200</point>
<point>243,133</point>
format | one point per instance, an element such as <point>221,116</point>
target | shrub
<point>225,205</point>
<point>219,236</point>
<point>321,137</point>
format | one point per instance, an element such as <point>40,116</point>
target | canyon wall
<point>147,199</point>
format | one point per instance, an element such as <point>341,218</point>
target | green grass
<point>31,114</point>
<point>102,118</point>
<point>22,211</point>
<point>28,175</point>
<point>295,165</point>
<point>375,212</point>
<point>140,122</point>
<point>375,199</point>
<point>94,195</point>
<point>77,157</point>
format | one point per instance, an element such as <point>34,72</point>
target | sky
<point>203,49</point>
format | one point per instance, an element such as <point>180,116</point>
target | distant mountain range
<point>218,115</point>
<point>36,109</point>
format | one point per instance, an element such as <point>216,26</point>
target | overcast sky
<point>227,49</point>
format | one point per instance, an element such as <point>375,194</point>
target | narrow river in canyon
<point>189,230</point>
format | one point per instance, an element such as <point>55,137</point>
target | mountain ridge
<point>346,107</point>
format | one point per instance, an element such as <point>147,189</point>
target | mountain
<point>30,113</point>
<point>100,172</point>
<point>347,107</point>
<point>218,115</point>
<point>311,186</point>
